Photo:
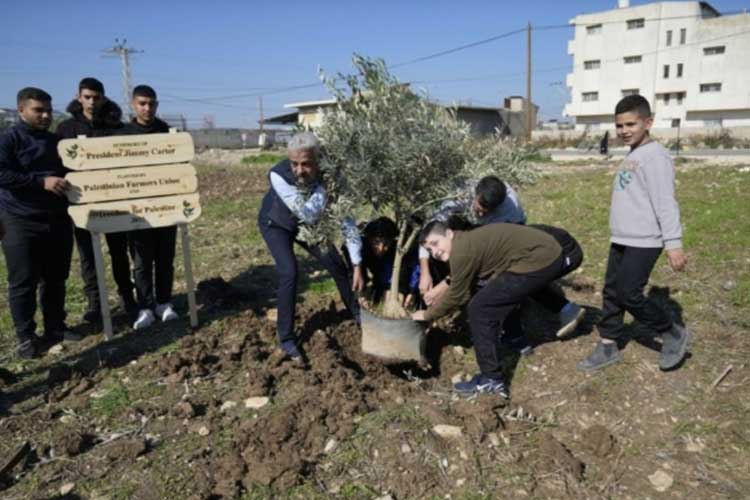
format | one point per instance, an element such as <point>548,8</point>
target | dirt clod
<point>599,440</point>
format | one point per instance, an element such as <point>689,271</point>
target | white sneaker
<point>145,319</point>
<point>166,312</point>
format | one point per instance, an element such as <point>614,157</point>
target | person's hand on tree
<point>358,281</point>
<point>418,316</point>
<point>677,259</point>
<point>435,295</point>
<point>56,185</point>
<point>408,300</point>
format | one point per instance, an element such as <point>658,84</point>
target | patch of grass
<point>114,401</point>
<point>263,159</point>
<point>324,287</point>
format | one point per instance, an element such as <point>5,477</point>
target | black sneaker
<point>482,384</point>
<point>673,347</point>
<point>93,314</point>
<point>289,347</point>
<point>603,355</point>
<point>27,349</point>
<point>129,305</point>
<point>63,333</point>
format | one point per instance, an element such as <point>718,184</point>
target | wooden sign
<point>97,153</point>
<point>144,213</point>
<point>135,182</point>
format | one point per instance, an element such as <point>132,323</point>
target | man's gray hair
<point>304,141</point>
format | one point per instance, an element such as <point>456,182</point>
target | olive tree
<point>394,152</point>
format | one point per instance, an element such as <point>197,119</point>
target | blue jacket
<point>27,156</point>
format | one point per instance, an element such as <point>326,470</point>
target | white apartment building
<point>688,60</point>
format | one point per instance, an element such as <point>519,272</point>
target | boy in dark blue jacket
<point>39,237</point>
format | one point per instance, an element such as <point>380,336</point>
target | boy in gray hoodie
<point>644,219</point>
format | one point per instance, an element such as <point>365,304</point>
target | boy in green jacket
<point>509,262</point>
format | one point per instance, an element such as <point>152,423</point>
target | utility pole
<point>121,50</point>
<point>529,105</point>
<point>260,107</point>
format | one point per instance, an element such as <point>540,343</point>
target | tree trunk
<point>392,307</point>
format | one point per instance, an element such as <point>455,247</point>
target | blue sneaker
<point>570,316</point>
<point>290,349</point>
<point>483,384</point>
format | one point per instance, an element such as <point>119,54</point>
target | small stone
<point>463,455</point>
<point>729,285</point>
<point>460,482</point>
<point>272,315</point>
<point>399,400</point>
<point>184,409</point>
<point>67,419</point>
<point>67,488</point>
<point>227,405</point>
<point>330,446</point>
<point>447,431</point>
<point>387,496</point>
<point>203,431</point>
<point>405,448</point>
<point>695,445</point>
<point>55,350</point>
<point>661,480</point>
<point>494,440</point>
<point>457,378</point>
<point>256,402</point>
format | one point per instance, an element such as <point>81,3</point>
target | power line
<point>459,48</point>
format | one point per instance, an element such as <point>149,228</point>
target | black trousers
<point>549,297</point>
<point>118,252</point>
<point>494,302</point>
<point>628,270</point>
<point>281,242</point>
<point>152,251</point>
<point>37,253</point>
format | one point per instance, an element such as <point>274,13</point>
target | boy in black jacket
<point>33,208</point>
<point>96,116</point>
<point>152,250</point>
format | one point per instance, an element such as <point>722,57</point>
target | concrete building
<point>688,60</point>
<point>484,120</point>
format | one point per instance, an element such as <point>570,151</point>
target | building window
<point>683,36</point>
<point>710,51</point>
<point>632,59</point>
<point>627,92</point>
<point>594,64</point>
<point>590,96</point>
<point>634,24</point>
<point>669,38</point>
<point>594,29</point>
<point>679,70</point>
<point>666,71</point>
<point>680,96</point>
<point>665,98</point>
<point>675,122</point>
<point>710,87</point>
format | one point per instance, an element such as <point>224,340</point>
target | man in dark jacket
<point>152,250</point>
<point>96,116</point>
<point>33,208</point>
<point>296,196</point>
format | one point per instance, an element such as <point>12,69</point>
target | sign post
<point>129,183</point>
